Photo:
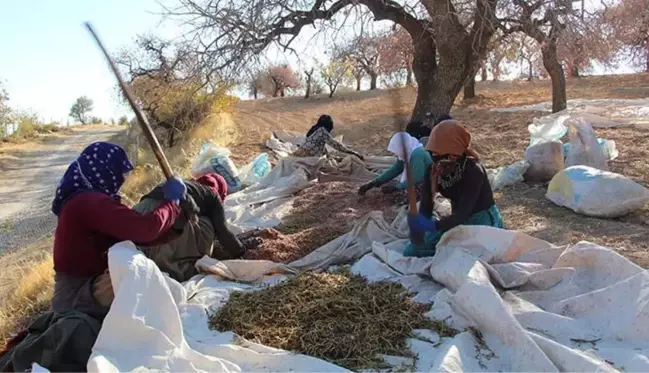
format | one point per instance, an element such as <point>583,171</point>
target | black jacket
<point>469,195</point>
<point>209,204</point>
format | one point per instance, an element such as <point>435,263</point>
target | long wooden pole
<point>399,126</point>
<point>139,114</point>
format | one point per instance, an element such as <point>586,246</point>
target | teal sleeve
<point>390,173</point>
<point>420,160</point>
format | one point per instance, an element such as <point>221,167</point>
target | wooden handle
<point>416,239</point>
<point>139,114</point>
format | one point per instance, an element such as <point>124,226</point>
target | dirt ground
<point>365,120</point>
<point>30,173</point>
<point>320,214</point>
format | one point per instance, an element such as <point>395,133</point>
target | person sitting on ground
<point>458,175</point>
<point>178,257</point>
<point>418,158</point>
<point>418,130</point>
<point>91,219</point>
<point>421,130</point>
<point>320,135</point>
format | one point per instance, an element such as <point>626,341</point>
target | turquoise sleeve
<point>420,160</point>
<point>390,173</point>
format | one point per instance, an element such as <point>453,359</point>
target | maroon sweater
<point>90,223</point>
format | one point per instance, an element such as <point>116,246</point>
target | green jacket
<point>420,160</point>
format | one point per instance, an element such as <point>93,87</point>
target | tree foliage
<point>337,72</point>
<point>81,108</point>
<point>5,110</point>
<point>273,81</point>
<point>171,87</point>
<point>362,53</point>
<point>543,21</point>
<point>585,41</point>
<point>279,79</point>
<point>501,49</point>
<point>396,54</point>
<point>627,24</point>
<point>449,37</point>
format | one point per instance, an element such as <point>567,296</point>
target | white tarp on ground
<point>263,204</point>
<point>538,307</point>
<point>599,112</point>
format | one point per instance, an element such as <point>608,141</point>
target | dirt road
<point>28,181</point>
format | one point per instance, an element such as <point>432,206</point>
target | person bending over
<point>457,174</point>
<point>91,219</point>
<point>418,158</point>
<point>178,257</point>
<point>320,135</point>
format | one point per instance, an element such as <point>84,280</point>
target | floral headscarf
<point>99,168</point>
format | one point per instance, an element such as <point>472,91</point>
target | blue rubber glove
<point>421,224</point>
<point>174,189</point>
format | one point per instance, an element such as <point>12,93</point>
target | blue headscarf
<point>100,168</point>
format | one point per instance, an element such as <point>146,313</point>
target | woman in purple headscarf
<point>91,219</point>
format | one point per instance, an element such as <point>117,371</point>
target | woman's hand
<point>174,189</point>
<point>365,187</point>
<point>420,224</point>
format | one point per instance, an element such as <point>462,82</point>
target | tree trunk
<point>255,92</point>
<point>281,92</point>
<point>358,83</point>
<point>647,63</point>
<point>436,91</point>
<point>373,78</point>
<point>409,75</point>
<point>574,71</point>
<point>331,92</point>
<point>495,71</point>
<point>555,70</point>
<point>171,137</point>
<point>530,72</point>
<point>469,89</point>
<point>483,72</point>
<point>307,94</point>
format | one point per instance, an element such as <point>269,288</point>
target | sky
<point>48,59</point>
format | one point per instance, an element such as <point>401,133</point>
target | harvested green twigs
<point>339,317</point>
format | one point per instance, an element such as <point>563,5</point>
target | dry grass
<point>218,128</point>
<point>337,317</point>
<point>26,287</point>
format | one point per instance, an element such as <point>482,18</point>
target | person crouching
<point>457,174</point>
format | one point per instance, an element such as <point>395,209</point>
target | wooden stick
<point>399,126</point>
<point>139,114</point>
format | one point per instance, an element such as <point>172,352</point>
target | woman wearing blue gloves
<point>91,219</point>
<point>458,175</point>
<point>418,159</point>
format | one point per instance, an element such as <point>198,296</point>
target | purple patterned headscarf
<point>100,168</point>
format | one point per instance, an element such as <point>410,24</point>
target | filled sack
<point>589,191</point>
<point>584,148</point>
<point>545,159</point>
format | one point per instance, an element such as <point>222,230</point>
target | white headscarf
<point>395,146</point>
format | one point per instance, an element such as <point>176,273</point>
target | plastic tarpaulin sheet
<point>600,113</point>
<point>263,204</point>
<point>520,303</point>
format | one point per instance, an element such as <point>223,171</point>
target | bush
<point>179,105</point>
<point>28,126</point>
